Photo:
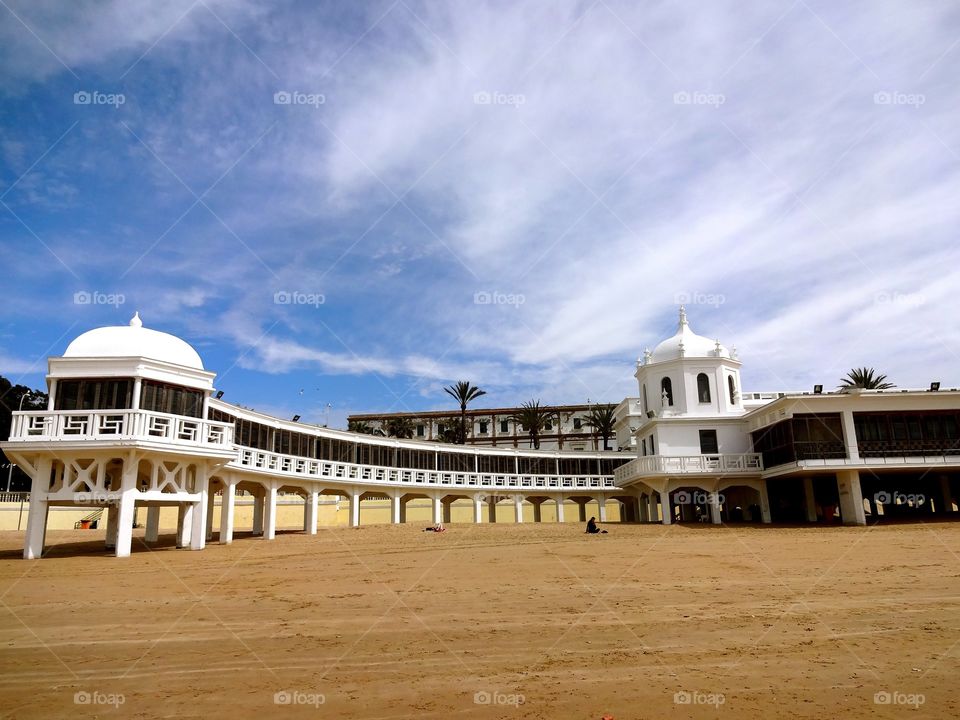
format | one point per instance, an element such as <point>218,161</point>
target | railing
<point>299,467</point>
<point>688,464</point>
<point>71,425</point>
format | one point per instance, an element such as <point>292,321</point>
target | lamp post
<point>10,470</point>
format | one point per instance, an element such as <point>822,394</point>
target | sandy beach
<point>489,621</point>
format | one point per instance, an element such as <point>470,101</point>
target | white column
<point>602,503</point>
<point>559,501</point>
<point>714,503</point>
<point>228,505</point>
<point>125,511</point>
<point>113,512</point>
<point>765,504</point>
<point>809,499</point>
<point>270,513</point>
<point>52,397</point>
<point>477,509</point>
<point>37,514</point>
<point>437,510</point>
<point>135,400</point>
<point>310,512</point>
<point>665,509</point>
<point>354,509</point>
<point>851,497</point>
<point>210,501</point>
<point>644,509</point>
<point>184,524</point>
<point>152,533</point>
<point>258,501</point>
<point>850,435</point>
<point>395,504</point>
<point>198,534</point>
<point>518,508</point>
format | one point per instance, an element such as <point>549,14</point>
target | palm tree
<point>533,418</point>
<point>361,426</point>
<point>463,392</point>
<point>398,427</point>
<point>602,418</point>
<point>864,378</point>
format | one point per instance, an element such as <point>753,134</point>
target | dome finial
<point>135,321</point>
<point>683,316</point>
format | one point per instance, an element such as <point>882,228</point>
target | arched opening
<point>732,389</point>
<point>666,392</point>
<point>703,388</point>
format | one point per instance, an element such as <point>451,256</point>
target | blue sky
<point>514,193</point>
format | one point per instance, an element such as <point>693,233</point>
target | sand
<point>489,621</point>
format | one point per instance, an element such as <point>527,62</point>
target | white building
<point>132,423</point>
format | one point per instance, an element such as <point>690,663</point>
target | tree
<point>463,392</point>
<point>13,398</point>
<point>398,427</point>
<point>864,378</point>
<point>601,419</point>
<point>361,426</point>
<point>533,418</point>
<point>449,433</point>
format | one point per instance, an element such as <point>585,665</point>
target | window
<point>645,408</point>
<point>420,431</point>
<point>652,450</point>
<point>504,426</point>
<point>644,445</point>
<point>93,395</point>
<point>577,423</point>
<point>173,399</point>
<point>548,425</point>
<point>732,389</point>
<point>703,388</point>
<point>483,427</point>
<point>708,442</point>
<point>666,392</point>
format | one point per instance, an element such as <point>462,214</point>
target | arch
<point>732,389</point>
<point>666,388</point>
<point>703,388</point>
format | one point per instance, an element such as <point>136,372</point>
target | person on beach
<point>592,527</point>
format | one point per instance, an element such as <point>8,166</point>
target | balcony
<point>62,426</point>
<point>728,464</point>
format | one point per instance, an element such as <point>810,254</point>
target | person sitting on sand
<point>436,528</point>
<point>593,528</point>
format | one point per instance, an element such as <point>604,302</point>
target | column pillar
<point>310,503</point>
<point>665,509</point>
<point>492,509</point>
<point>113,513</point>
<point>124,525</point>
<point>37,514</point>
<point>152,533</point>
<point>210,501</point>
<point>437,514</point>
<point>228,504</point>
<point>765,504</point>
<point>713,502</point>
<point>809,499</point>
<point>946,493</point>
<point>354,509</point>
<point>447,512</point>
<point>850,435</point>
<point>184,524</point>
<point>518,508</point>
<point>851,497</point>
<point>403,510</point>
<point>602,503</point>
<point>559,501</point>
<point>477,510</point>
<point>198,535</point>
<point>270,512</point>
<point>652,514</point>
<point>395,505</point>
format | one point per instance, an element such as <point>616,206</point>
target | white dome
<point>134,340</point>
<point>686,343</point>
